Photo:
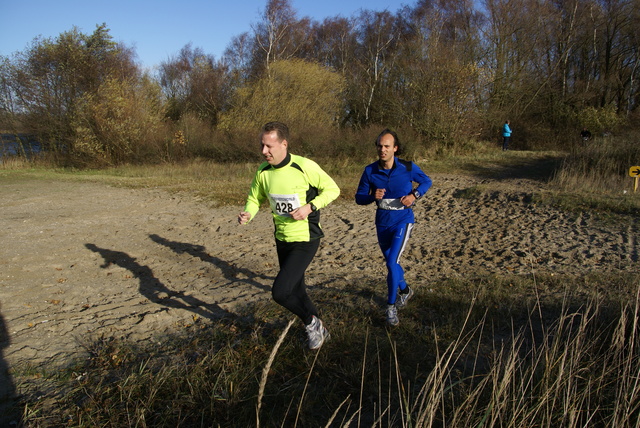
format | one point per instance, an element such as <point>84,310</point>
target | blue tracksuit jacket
<point>398,182</point>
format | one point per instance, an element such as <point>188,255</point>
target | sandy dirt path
<point>80,261</point>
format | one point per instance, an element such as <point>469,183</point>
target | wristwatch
<point>416,194</point>
<point>313,207</point>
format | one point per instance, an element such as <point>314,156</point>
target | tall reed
<point>449,364</point>
<point>600,165</point>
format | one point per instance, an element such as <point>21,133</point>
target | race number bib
<point>284,204</point>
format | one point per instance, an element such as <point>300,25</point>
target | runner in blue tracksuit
<point>389,183</point>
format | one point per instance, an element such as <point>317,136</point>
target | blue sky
<point>157,29</point>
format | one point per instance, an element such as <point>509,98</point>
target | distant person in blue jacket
<point>506,135</point>
<point>389,183</point>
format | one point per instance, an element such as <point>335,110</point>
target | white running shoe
<point>402,300</point>
<point>392,315</point>
<point>317,333</point>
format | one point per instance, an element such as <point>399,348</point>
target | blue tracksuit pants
<point>392,241</point>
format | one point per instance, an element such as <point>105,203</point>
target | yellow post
<point>634,172</point>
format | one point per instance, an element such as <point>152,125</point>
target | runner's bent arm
<point>328,190</point>
<point>365,194</point>
<point>423,180</point>
<point>255,198</point>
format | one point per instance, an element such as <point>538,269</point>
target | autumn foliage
<point>446,73</point>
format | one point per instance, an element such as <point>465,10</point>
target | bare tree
<point>377,37</point>
<point>334,43</point>
<point>277,35</point>
<point>194,82</point>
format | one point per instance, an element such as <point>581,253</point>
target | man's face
<point>386,148</point>
<point>273,150</point>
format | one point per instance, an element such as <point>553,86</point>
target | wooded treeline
<point>444,72</point>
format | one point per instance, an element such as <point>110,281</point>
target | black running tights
<point>289,289</point>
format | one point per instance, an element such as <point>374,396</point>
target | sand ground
<point>80,261</point>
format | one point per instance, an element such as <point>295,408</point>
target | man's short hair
<point>396,140</point>
<point>281,129</point>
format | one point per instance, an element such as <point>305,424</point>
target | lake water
<point>19,145</point>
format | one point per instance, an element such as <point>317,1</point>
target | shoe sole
<point>326,339</point>
<point>401,306</point>
<point>392,324</point>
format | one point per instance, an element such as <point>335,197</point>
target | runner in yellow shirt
<point>297,188</point>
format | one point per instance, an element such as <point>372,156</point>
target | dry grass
<point>457,359</point>
<point>583,180</point>
<point>599,166</point>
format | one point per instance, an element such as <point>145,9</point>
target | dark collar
<point>380,167</point>
<point>284,162</point>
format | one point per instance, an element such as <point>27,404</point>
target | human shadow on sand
<point>230,271</point>
<point>154,290</point>
<point>9,413</point>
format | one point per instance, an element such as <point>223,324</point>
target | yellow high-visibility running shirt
<point>294,182</point>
